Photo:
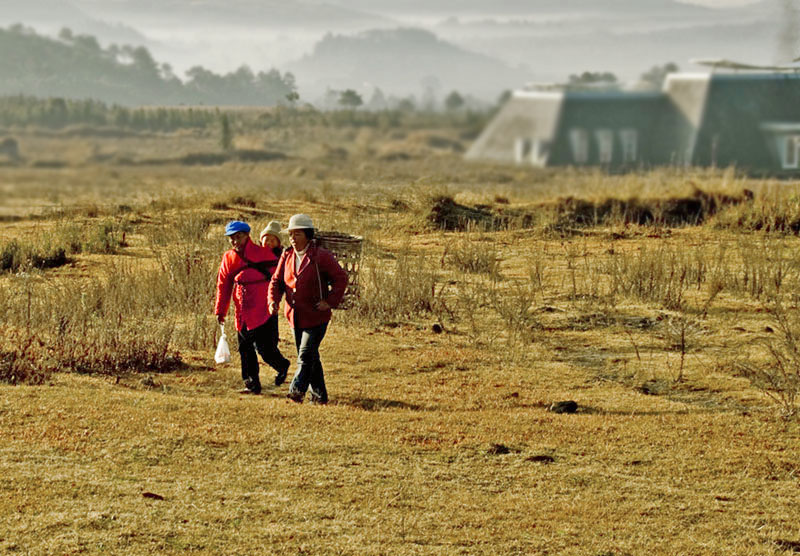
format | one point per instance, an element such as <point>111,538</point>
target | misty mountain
<point>555,38</point>
<point>403,62</point>
<point>477,47</point>
<point>76,66</point>
<point>50,16</point>
<point>224,34</point>
<point>35,65</point>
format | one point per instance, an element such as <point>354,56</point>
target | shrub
<point>242,201</point>
<point>680,333</point>
<point>15,257</point>
<point>662,275</point>
<point>10,256</point>
<point>102,326</point>
<point>767,268</point>
<point>104,238</point>
<point>769,213</point>
<point>779,377</point>
<point>52,249</point>
<point>184,281</point>
<point>388,295</point>
<point>473,256</point>
<point>122,347</point>
<point>514,305</point>
<point>204,159</point>
<point>21,360</point>
<point>190,229</point>
<point>254,155</point>
<point>465,301</point>
<point>70,235</point>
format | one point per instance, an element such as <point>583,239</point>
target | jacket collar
<point>303,265</point>
<point>307,260</point>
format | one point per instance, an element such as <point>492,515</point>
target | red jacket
<point>248,285</point>
<point>303,286</point>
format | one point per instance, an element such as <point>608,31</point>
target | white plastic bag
<point>223,354</point>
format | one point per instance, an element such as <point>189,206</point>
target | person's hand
<point>323,306</point>
<point>273,308</point>
<point>221,319</point>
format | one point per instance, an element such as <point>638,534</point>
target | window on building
<point>531,151</point>
<point>785,142</point>
<point>579,141</point>
<point>629,139</point>
<point>790,156</point>
<point>522,150</point>
<point>715,140</point>
<point>540,152</point>
<point>605,145</point>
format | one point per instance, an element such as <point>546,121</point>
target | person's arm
<point>276,286</point>
<point>224,289</point>
<point>329,267</point>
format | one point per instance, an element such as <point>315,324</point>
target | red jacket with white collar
<point>319,277</point>
<point>248,285</point>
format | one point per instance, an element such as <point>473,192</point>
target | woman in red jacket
<point>245,272</point>
<point>313,283</point>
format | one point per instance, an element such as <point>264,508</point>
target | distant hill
<point>399,61</point>
<point>50,16</point>
<point>473,46</point>
<point>554,38</point>
<point>223,34</point>
<point>76,66</point>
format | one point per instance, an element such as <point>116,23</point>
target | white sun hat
<point>300,222</point>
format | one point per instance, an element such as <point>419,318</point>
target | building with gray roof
<point>747,120</point>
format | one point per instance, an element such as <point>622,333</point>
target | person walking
<point>314,283</point>
<point>244,273</point>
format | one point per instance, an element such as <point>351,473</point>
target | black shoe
<point>249,391</point>
<point>251,387</point>
<point>280,378</point>
<point>295,396</point>
<point>318,400</point>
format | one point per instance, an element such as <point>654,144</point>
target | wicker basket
<point>347,250</point>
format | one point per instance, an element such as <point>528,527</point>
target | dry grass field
<point>486,297</point>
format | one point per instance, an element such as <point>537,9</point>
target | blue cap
<point>236,226</point>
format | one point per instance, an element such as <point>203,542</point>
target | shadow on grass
<point>692,409</point>
<point>589,410</point>
<point>599,411</point>
<point>376,404</point>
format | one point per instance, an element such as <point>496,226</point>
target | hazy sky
<point>720,3</point>
<point>546,47</point>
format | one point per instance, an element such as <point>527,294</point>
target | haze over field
<point>477,48</point>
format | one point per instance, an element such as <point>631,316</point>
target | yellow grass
<point>433,443</point>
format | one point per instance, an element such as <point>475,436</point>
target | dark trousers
<point>309,368</point>
<point>265,340</point>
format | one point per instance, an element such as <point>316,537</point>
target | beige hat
<point>273,228</point>
<point>300,222</point>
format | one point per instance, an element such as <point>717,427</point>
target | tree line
<point>77,66</point>
<point>58,112</point>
